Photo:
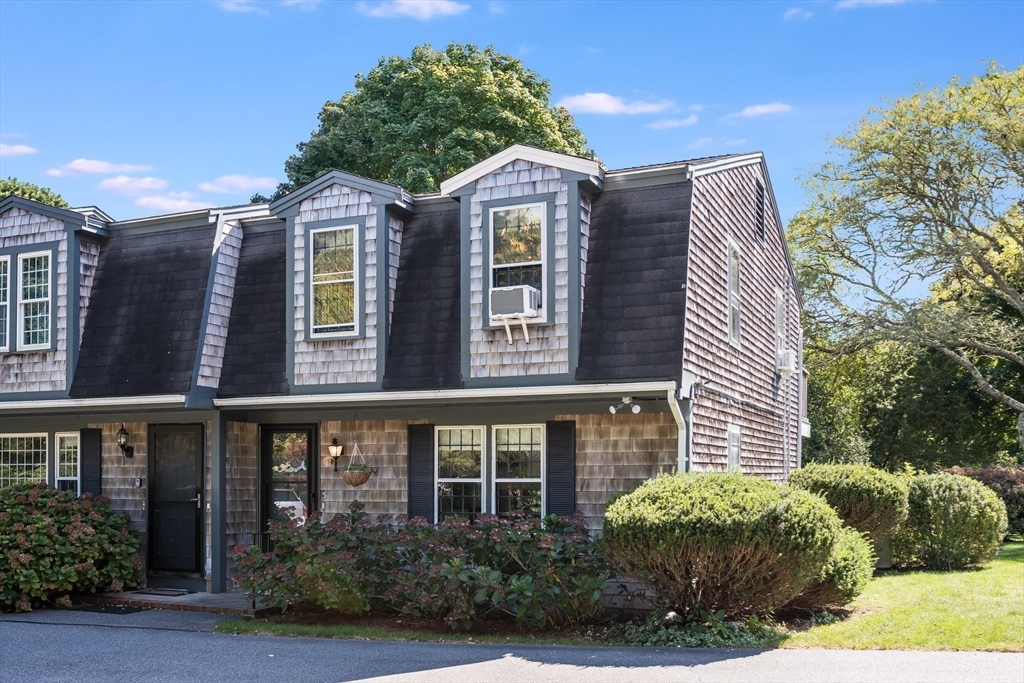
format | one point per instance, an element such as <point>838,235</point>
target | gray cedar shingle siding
<point>636,265</point>
<point>424,349</point>
<point>142,328</point>
<point>254,358</point>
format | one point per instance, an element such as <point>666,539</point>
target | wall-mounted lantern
<point>335,451</point>
<point>122,441</point>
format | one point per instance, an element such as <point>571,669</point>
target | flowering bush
<point>541,572</point>
<point>54,543</point>
<point>1008,483</point>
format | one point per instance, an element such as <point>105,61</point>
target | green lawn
<point>958,610</point>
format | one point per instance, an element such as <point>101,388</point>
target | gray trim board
<point>217,499</point>
<point>548,199</point>
<point>374,187</point>
<point>67,215</point>
<point>574,228</point>
<point>6,396</point>
<point>351,388</point>
<point>520,381</point>
<point>383,288</point>
<point>359,246</point>
<point>289,306</point>
<point>74,299</point>
<point>464,247</point>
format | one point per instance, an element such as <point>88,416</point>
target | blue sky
<point>154,107</point>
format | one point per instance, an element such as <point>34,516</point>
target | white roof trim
<point>697,170</point>
<point>556,391</point>
<point>515,153</point>
<point>110,401</point>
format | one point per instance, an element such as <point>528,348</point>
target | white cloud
<point>736,142</point>
<point>241,6</point>
<point>423,10</point>
<point>849,4</point>
<point>95,166</point>
<point>238,183</point>
<point>763,109</point>
<point>123,184</point>
<point>603,103</point>
<point>797,13</point>
<point>700,142</point>
<point>696,107</point>
<point>673,123</point>
<point>305,5</point>
<point>171,202</point>
<point>16,150</point>
<point>718,143</point>
<point>496,7</point>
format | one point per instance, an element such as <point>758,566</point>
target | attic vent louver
<point>514,303</point>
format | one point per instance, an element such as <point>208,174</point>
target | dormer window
<point>518,248</point>
<point>333,284</point>
<point>5,269</point>
<point>34,301</point>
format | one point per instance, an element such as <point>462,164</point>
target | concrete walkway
<point>159,646</point>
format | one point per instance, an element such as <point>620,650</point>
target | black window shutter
<point>561,475</point>
<point>421,472</point>
<point>90,460</point>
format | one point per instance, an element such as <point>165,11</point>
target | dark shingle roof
<point>424,349</point>
<point>142,327</point>
<point>634,302</point>
<point>254,360</point>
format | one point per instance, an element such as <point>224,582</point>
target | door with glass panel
<point>288,471</point>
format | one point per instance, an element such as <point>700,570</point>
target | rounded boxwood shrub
<point>869,500</point>
<point>843,577</point>
<point>1008,484</point>
<point>54,543</point>
<point>720,541</point>
<point>954,522</point>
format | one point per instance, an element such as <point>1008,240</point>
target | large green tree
<point>915,232</point>
<point>414,122</point>
<point>20,188</point>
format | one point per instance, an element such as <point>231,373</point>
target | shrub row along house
<point>539,335</point>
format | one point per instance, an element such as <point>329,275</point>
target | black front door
<point>176,498</point>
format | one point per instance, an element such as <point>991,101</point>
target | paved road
<point>157,646</point>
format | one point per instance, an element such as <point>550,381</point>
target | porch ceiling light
<point>122,442</point>
<point>626,401</point>
<point>335,451</point>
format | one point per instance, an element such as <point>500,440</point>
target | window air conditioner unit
<point>514,303</point>
<point>786,362</point>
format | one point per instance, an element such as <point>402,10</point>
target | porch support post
<point>218,503</point>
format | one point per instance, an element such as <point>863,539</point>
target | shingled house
<point>538,335</point>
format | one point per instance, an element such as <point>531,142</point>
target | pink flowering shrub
<point>54,543</point>
<point>540,572</point>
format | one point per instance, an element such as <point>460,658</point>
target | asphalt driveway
<point>161,646</point>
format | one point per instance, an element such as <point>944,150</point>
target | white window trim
<point>56,461</point>
<point>730,247</point>
<point>543,466</point>
<point>544,274</point>
<point>780,325</point>
<point>46,440</point>
<point>22,301</point>
<point>734,466</point>
<point>7,304</point>
<point>437,464</point>
<point>760,209</point>
<point>357,288</point>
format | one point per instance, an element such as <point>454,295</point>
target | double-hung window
<point>734,294</point>
<point>780,324</point>
<point>5,297</point>
<point>733,448</point>
<point>68,463</point>
<point>518,464</point>
<point>517,246</point>
<point>34,300</point>
<point>22,459</point>
<point>333,287</point>
<point>459,471</point>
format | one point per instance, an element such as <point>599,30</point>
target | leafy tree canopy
<point>414,122</point>
<point>20,188</point>
<point>915,233</point>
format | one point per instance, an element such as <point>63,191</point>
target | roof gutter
<point>156,401</point>
<point>443,395</point>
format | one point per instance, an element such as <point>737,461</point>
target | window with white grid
<point>5,272</point>
<point>333,280</point>
<point>22,459</point>
<point>34,300</point>
<point>68,463</point>
<point>459,471</point>
<point>519,469</point>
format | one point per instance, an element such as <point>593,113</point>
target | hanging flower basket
<point>357,472</point>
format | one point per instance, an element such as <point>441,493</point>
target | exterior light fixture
<point>626,401</point>
<point>335,451</point>
<point>122,441</point>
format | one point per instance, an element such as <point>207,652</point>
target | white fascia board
<point>442,395</point>
<point>160,400</point>
<point>524,153</point>
<point>699,169</point>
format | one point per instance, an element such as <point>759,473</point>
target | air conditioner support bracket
<point>508,330</point>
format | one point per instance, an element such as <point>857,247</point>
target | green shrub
<point>954,522</point>
<point>703,630</point>
<point>1008,484</point>
<point>540,572</point>
<point>54,543</point>
<point>716,541</point>
<point>843,577</point>
<point>869,500</point>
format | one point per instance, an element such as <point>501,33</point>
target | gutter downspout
<point>682,419</point>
